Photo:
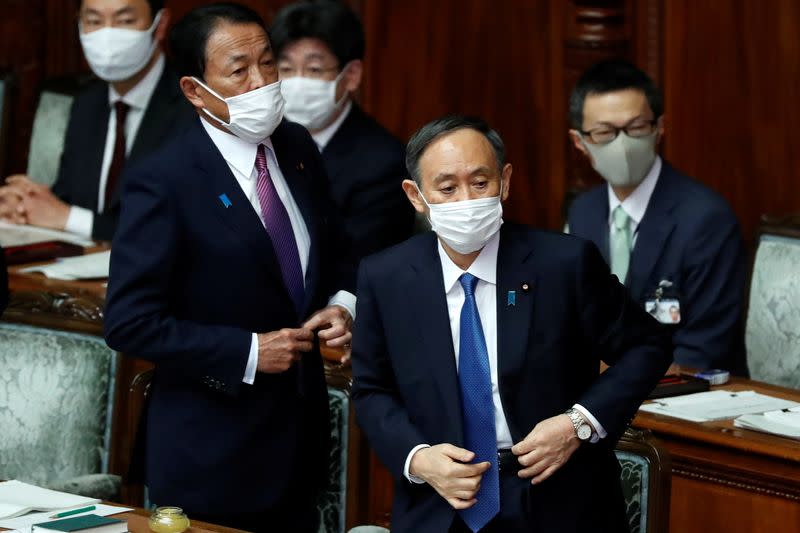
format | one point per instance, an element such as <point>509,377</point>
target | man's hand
<point>548,447</point>
<point>12,209</point>
<point>278,350</point>
<point>334,325</point>
<point>444,467</point>
<point>41,207</point>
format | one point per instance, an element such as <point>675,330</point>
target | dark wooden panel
<point>731,79</point>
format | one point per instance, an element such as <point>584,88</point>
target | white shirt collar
<point>484,267</point>
<point>238,153</point>
<point>323,136</point>
<point>139,96</point>
<point>635,205</point>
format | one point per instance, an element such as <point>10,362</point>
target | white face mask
<point>116,54</point>
<point>466,226</point>
<point>311,102</point>
<point>625,161</point>
<point>254,115</point>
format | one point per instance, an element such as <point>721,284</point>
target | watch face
<point>584,432</point>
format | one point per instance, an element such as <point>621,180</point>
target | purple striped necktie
<point>279,228</point>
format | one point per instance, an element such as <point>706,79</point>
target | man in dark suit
<point>133,108</point>
<point>673,241</point>
<point>3,281</point>
<point>320,48</point>
<point>476,356</point>
<point>227,244</point>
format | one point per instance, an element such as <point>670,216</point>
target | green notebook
<point>89,523</point>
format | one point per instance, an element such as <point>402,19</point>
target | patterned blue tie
<point>477,407</point>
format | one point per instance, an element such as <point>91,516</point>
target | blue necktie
<point>477,407</point>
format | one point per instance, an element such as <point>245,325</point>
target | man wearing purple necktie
<point>229,257</point>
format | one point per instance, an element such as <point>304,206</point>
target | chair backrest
<point>646,481</point>
<point>56,404</point>
<point>50,126</point>
<point>332,505</point>
<point>772,332</point>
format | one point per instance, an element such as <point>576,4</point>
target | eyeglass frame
<point>652,123</point>
<point>303,70</point>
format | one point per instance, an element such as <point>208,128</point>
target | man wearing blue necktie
<point>476,356</point>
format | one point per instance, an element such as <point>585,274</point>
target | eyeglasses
<point>316,73</point>
<point>606,134</point>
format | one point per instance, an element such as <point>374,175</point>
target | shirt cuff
<point>413,479</point>
<point>346,300</point>
<point>252,362</point>
<point>80,221</point>
<point>599,432</point>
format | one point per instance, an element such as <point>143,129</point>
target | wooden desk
<point>730,479</point>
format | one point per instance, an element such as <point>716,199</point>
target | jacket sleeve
<point>379,409</point>
<point>138,320</point>
<point>636,347</point>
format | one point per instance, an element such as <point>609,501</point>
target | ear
<point>412,193</point>
<point>660,129</point>
<point>160,34</point>
<point>577,141</point>
<point>506,177</point>
<point>351,80</point>
<point>190,88</point>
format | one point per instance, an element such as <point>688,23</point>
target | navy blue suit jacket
<point>191,280</point>
<point>366,166</point>
<point>78,180</point>
<point>3,281</point>
<point>550,344</point>
<point>688,236</point>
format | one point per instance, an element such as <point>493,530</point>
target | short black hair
<point>189,37</point>
<point>610,76</point>
<point>431,131</point>
<point>329,21</point>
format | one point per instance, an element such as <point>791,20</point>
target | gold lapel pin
<point>525,287</point>
<point>300,166</point>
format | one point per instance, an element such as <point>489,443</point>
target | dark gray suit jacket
<point>78,180</point>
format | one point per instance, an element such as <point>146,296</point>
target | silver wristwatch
<point>582,430</point>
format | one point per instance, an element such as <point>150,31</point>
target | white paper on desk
<point>20,235</point>
<point>17,498</point>
<point>89,266</point>
<point>25,522</point>
<point>785,423</point>
<point>716,405</point>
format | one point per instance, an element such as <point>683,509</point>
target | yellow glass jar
<point>169,520</point>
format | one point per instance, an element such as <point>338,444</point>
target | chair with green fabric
<point>56,409</point>
<point>772,331</point>
<point>646,481</point>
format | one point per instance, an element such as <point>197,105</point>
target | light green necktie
<point>620,243</point>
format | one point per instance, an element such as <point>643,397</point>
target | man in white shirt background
<point>132,108</point>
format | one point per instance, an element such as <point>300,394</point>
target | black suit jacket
<point>78,180</point>
<point>366,166</point>
<point>3,281</point>
<point>191,280</point>
<point>690,237</point>
<point>550,344</point>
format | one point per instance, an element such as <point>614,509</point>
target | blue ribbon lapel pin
<point>511,301</point>
<point>225,200</point>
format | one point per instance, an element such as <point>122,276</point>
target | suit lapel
<point>239,216</point>
<point>597,228</point>
<point>433,319</point>
<point>296,174</point>
<point>95,139</point>
<point>654,230</point>
<point>514,315</point>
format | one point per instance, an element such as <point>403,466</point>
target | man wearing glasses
<point>671,240</point>
<point>320,48</point>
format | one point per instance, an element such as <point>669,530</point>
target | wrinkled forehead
<point>228,43</point>
<point>459,153</point>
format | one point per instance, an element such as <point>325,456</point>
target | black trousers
<point>514,513</point>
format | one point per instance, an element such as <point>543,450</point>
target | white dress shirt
<point>634,205</point>
<point>485,269</point>
<point>240,156</point>
<point>81,220</point>
<point>323,136</point>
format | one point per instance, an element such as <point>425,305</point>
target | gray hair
<point>431,131</point>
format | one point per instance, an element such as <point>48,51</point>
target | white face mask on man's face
<point>254,115</point>
<point>625,161</point>
<point>116,54</point>
<point>467,225</point>
<point>311,102</point>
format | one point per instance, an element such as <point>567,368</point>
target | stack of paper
<point>89,266</point>
<point>716,405</point>
<point>785,422</point>
<point>16,235</point>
